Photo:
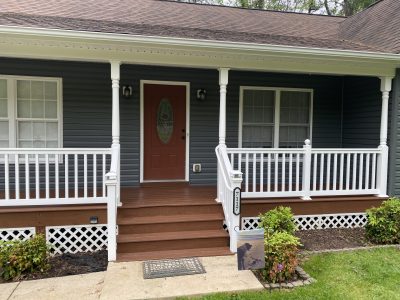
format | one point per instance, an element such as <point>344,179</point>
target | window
<point>30,112</point>
<point>274,117</point>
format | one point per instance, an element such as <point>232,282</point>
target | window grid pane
<point>258,118</point>
<point>37,114</point>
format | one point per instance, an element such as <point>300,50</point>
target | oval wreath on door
<point>165,121</point>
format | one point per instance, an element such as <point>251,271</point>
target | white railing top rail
<point>54,151</point>
<point>301,150</point>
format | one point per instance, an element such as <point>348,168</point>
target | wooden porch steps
<point>160,228</point>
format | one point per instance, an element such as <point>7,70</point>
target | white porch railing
<point>310,172</point>
<point>60,177</point>
<point>53,176</point>
<point>229,182</point>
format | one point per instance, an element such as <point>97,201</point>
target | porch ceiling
<point>80,46</point>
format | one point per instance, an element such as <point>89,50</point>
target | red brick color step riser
<point>134,247</point>
<point>170,227</point>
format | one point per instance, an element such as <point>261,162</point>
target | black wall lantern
<point>201,94</point>
<point>127,91</point>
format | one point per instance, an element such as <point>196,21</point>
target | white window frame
<point>12,106</point>
<point>277,108</point>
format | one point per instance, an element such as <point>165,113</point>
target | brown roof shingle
<point>173,19</point>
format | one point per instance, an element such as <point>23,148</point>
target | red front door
<point>164,132</point>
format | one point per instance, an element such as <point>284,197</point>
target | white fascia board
<point>173,41</point>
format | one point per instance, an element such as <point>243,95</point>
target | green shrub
<point>279,219</point>
<point>280,256</point>
<point>383,226</point>
<point>19,257</point>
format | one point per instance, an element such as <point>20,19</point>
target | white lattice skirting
<point>12,234</point>
<point>77,238</point>
<point>310,222</point>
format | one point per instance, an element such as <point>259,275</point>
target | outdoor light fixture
<point>94,220</point>
<point>201,94</point>
<point>127,91</point>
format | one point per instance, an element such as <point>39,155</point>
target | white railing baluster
<point>321,173</point>
<point>240,162</point>
<point>328,172</point>
<point>290,171</point>
<point>85,176</point>
<point>335,172</point>
<point>373,171</point>
<point>76,174</point>
<point>254,172</point>
<point>261,172</point>
<point>367,171</point>
<point>247,172</point>
<point>315,172</point>
<point>276,172</point>
<point>104,172</point>
<point>353,186</point>
<point>269,173</point>
<point>360,174</point>
<point>66,171</point>
<point>47,176</point>
<point>283,172</point>
<point>341,171</point>
<point>37,178</point>
<point>348,171</point>
<point>16,158</point>
<point>27,192</point>
<point>57,177</point>
<point>7,177</point>
<point>94,175</point>
<point>297,172</point>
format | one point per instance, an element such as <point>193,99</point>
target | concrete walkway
<point>125,281</point>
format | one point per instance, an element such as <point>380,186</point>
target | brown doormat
<point>172,267</point>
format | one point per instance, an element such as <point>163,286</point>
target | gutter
<point>173,41</point>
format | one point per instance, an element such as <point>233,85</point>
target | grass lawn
<point>364,274</point>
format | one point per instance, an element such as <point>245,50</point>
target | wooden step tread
<point>167,254</point>
<point>167,236</point>
<point>170,219</point>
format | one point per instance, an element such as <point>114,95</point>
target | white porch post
<point>223,82</point>
<point>115,77</point>
<point>382,168</point>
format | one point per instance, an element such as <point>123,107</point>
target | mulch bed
<point>326,239</point>
<point>71,264</point>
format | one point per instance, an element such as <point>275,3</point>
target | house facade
<point>151,132</point>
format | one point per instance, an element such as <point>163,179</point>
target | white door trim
<point>182,83</point>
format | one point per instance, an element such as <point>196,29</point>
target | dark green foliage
<point>19,257</point>
<point>279,219</point>
<point>383,226</point>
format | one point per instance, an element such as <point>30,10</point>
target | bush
<point>280,257</point>
<point>19,257</point>
<point>279,219</point>
<point>383,226</point>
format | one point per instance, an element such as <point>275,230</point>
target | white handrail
<point>228,181</point>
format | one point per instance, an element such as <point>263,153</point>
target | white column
<point>382,168</point>
<point>223,82</point>
<point>115,76</point>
